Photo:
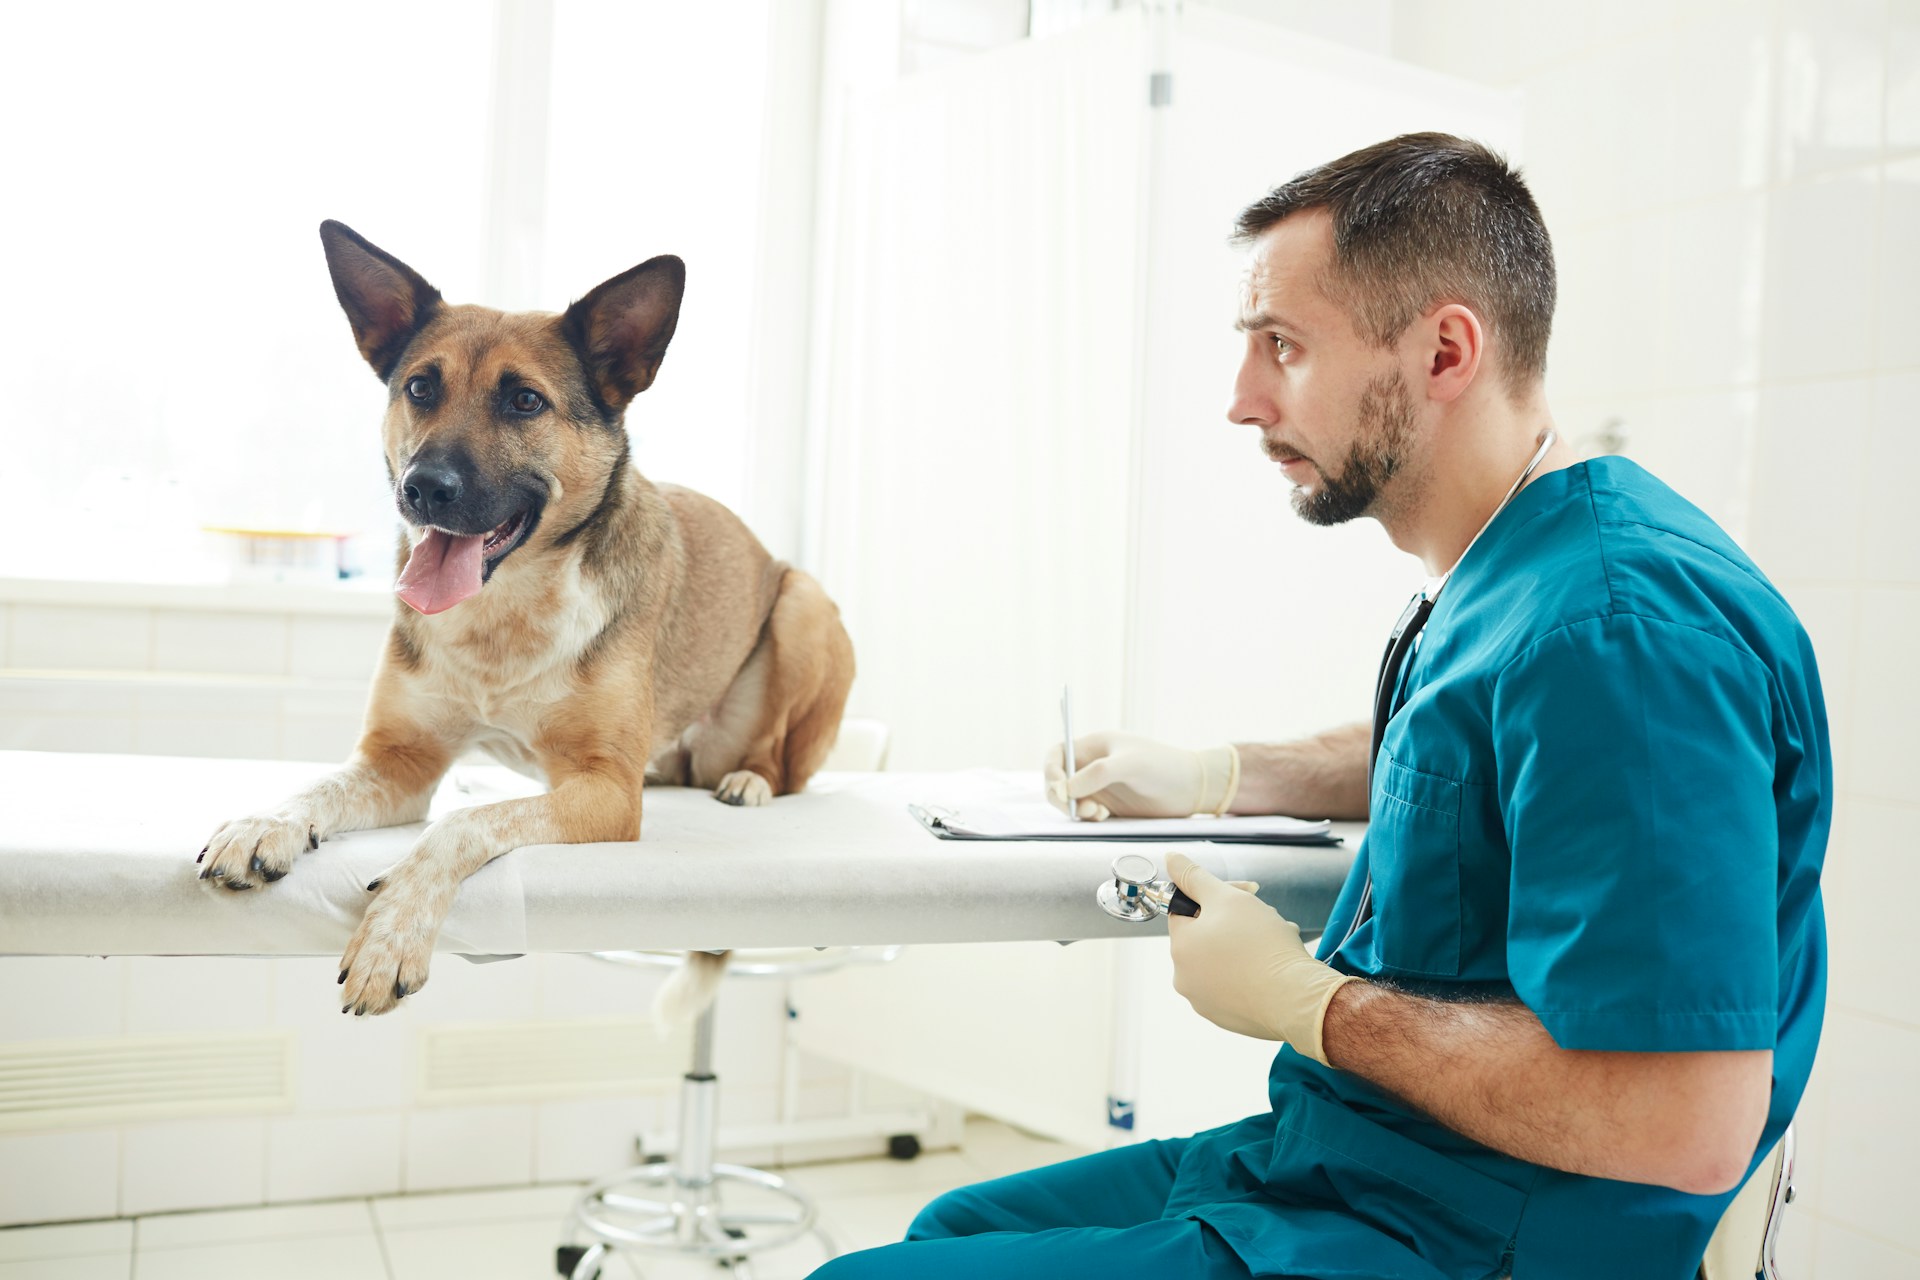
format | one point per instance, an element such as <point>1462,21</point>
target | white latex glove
<point>1127,776</point>
<point>1242,966</point>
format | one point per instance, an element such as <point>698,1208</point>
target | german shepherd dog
<point>558,610</point>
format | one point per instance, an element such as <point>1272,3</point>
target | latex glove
<point>1242,966</point>
<point>1128,776</point>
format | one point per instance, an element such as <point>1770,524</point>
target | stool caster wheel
<point>579,1261</point>
<point>903,1146</point>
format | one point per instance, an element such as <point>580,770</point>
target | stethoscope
<point>1137,892</point>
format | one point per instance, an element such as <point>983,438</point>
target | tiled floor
<point>482,1235</point>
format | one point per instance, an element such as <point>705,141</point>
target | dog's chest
<point>508,677</point>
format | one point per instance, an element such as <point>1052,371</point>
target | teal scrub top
<point>1605,793</point>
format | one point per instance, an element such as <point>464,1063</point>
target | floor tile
<point>229,1226</point>
<point>864,1222</point>
<point>938,1170</point>
<point>92,1266</point>
<point>475,1251</point>
<point>997,1150</point>
<point>345,1257</point>
<point>66,1240</point>
<point>508,1204</point>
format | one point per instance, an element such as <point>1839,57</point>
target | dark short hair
<point>1423,219</point>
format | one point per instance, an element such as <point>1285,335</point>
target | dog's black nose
<point>432,490</point>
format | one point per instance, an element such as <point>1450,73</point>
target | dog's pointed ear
<point>621,329</point>
<point>386,300</point>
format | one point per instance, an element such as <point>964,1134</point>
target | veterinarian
<point>1570,992</point>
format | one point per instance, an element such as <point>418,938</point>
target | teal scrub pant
<point>1098,1217</point>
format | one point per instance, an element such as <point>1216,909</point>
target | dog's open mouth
<point>505,537</point>
<point>445,568</point>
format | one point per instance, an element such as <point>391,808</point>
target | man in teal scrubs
<point>1570,992</point>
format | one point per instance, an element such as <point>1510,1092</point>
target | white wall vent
<point>522,1061</point>
<point>60,1084</point>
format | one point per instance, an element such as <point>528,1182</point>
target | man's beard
<point>1378,452</point>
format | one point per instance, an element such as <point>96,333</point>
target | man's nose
<point>432,489</point>
<point>1251,405</point>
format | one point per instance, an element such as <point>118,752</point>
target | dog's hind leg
<point>779,719</point>
<point>723,755</point>
<point>813,725</point>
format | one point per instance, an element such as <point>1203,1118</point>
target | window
<point>171,346</point>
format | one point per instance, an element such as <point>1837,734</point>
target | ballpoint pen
<point>1066,725</point>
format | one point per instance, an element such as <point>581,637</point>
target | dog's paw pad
<point>743,787</point>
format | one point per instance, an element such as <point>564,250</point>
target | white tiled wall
<point>184,681</point>
<point>1734,195</point>
<point>354,1128</point>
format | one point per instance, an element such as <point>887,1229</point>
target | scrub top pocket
<point>1413,852</point>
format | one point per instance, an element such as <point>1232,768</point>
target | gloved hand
<point>1128,776</point>
<point>1242,966</point>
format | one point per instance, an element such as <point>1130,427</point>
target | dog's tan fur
<point>638,632</point>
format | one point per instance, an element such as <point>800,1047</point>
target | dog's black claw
<point>341,980</point>
<point>735,799</point>
<point>255,864</point>
<point>373,886</point>
<point>346,1008</point>
<point>313,841</point>
<point>401,991</point>
<point>270,875</point>
<point>236,885</point>
<point>359,1011</point>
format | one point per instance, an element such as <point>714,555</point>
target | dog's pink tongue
<point>442,571</point>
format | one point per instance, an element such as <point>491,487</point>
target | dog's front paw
<point>387,958</point>
<point>249,852</point>
<point>743,786</point>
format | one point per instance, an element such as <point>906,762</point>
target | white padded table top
<point>96,858</point>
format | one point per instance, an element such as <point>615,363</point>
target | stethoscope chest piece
<point>1137,892</point>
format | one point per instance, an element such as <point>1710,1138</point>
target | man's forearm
<point>1493,1073</point>
<point>1324,776</point>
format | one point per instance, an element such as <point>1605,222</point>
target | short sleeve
<point>1635,767</point>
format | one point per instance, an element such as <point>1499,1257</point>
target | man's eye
<point>527,402</point>
<point>1280,345</point>
<point>420,388</point>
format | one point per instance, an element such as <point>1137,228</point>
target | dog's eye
<point>420,388</point>
<point>527,402</point>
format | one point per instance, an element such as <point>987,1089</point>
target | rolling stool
<point>677,1208</point>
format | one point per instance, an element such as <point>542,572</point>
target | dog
<point>556,609</point>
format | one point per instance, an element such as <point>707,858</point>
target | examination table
<point>96,858</point>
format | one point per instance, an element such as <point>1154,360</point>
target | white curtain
<point>1022,469</point>
<point>974,402</point>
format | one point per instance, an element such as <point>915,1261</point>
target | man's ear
<point>622,328</point>
<point>386,300</point>
<point>1456,346</point>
